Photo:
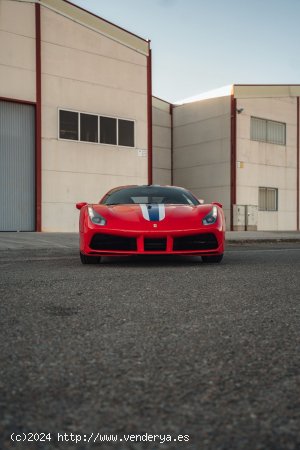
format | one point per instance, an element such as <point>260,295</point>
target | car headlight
<point>96,217</point>
<point>211,216</point>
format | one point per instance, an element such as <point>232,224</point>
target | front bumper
<point>110,242</point>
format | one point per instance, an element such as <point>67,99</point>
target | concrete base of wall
<point>238,227</point>
<point>244,228</point>
<point>251,228</point>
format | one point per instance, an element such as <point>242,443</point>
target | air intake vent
<point>103,241</point>
<point>155,245</point>
<point>206,241</point>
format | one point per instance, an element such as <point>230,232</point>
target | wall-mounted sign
<point>142,152</point>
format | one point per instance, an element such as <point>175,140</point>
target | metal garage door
<point>17,167</point>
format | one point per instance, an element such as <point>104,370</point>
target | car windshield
<point>150,194</point>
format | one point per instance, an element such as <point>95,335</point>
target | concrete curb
<point>261,241</point>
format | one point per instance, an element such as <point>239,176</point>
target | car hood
<point>145,216</point>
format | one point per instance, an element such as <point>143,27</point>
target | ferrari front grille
<point>155,245</point>
<point>205,241</point>
<point>102,241</point>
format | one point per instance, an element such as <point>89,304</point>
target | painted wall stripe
<point>38,121</point>
<point>298,161</point>
<point>149,115</point>
<point>232,159</point>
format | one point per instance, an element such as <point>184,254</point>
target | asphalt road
<point>159,346</point>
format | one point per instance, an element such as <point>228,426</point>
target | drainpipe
<point>298,162</point>
<point>172,151</point>
<point>149,113</point>
<point>232,159</point>
<point>38,122</point>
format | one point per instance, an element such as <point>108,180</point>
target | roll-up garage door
<point>17,167</point>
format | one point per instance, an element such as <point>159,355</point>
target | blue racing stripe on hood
<point>153,211</point>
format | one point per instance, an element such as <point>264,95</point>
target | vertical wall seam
<point>232,159</point>
<point>172,149</point>
<point>149,113</point>
<point>38,121</point>
<point>298,161</point>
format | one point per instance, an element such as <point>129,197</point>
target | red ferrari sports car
<point>151,219</point>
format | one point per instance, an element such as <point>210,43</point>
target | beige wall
<point>161,129</point>
<point>102,26</point>
<point>17,50</point>
<point>201,143</point>
<point>87,72</point>
<point>268,165</point>
<point>82,70</point>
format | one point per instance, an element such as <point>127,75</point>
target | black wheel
<point>89,259</point>
<point>212,259</point>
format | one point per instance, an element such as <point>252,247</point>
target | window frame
<point>58,126</point>
<point>127,120</point>
<point>266,193</point>
<point>108,117</point>
<point>266,122</point>
<point>79,129</point>
<point>99,115</point>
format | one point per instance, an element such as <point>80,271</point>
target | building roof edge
<point>98,24</point>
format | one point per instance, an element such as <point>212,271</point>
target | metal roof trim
<point>266,90</point>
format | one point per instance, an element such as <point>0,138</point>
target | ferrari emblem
<point>155,225</point>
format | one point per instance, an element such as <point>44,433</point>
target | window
<point>68,125</point>
<point>276,132</point>
<point>268,131</point>
<point>268,199</point>
<point>88,128</point>
<point>108,130</point>
<point>85,127</point>
<point>126,132</point>
<point>258,129</point>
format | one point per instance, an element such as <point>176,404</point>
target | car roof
<point>118,188</point>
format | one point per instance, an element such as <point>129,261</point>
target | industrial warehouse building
<point>77,117</point>
<point>75,96</point>
<point>239,146</point>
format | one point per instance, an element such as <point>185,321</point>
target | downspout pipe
<point>232,159</point>
<point>298,161</point>
<point>38,121</point>
<point>149,114</point>
<point>172,150</point>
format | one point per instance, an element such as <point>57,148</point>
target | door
<point>17,167</point>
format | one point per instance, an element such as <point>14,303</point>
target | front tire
<point>89,259</point>
<point>212,259</point>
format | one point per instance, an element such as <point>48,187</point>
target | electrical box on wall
<point>239,222</point>
<point>245,217</point>
<point>251,217</point>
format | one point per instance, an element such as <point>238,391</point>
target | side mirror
<point>201,201</point>
<point>218,204</point>
<point>80,205</point>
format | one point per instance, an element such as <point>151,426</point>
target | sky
<point>201,45</point>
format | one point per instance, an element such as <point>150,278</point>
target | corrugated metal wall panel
<point>17,167</point>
